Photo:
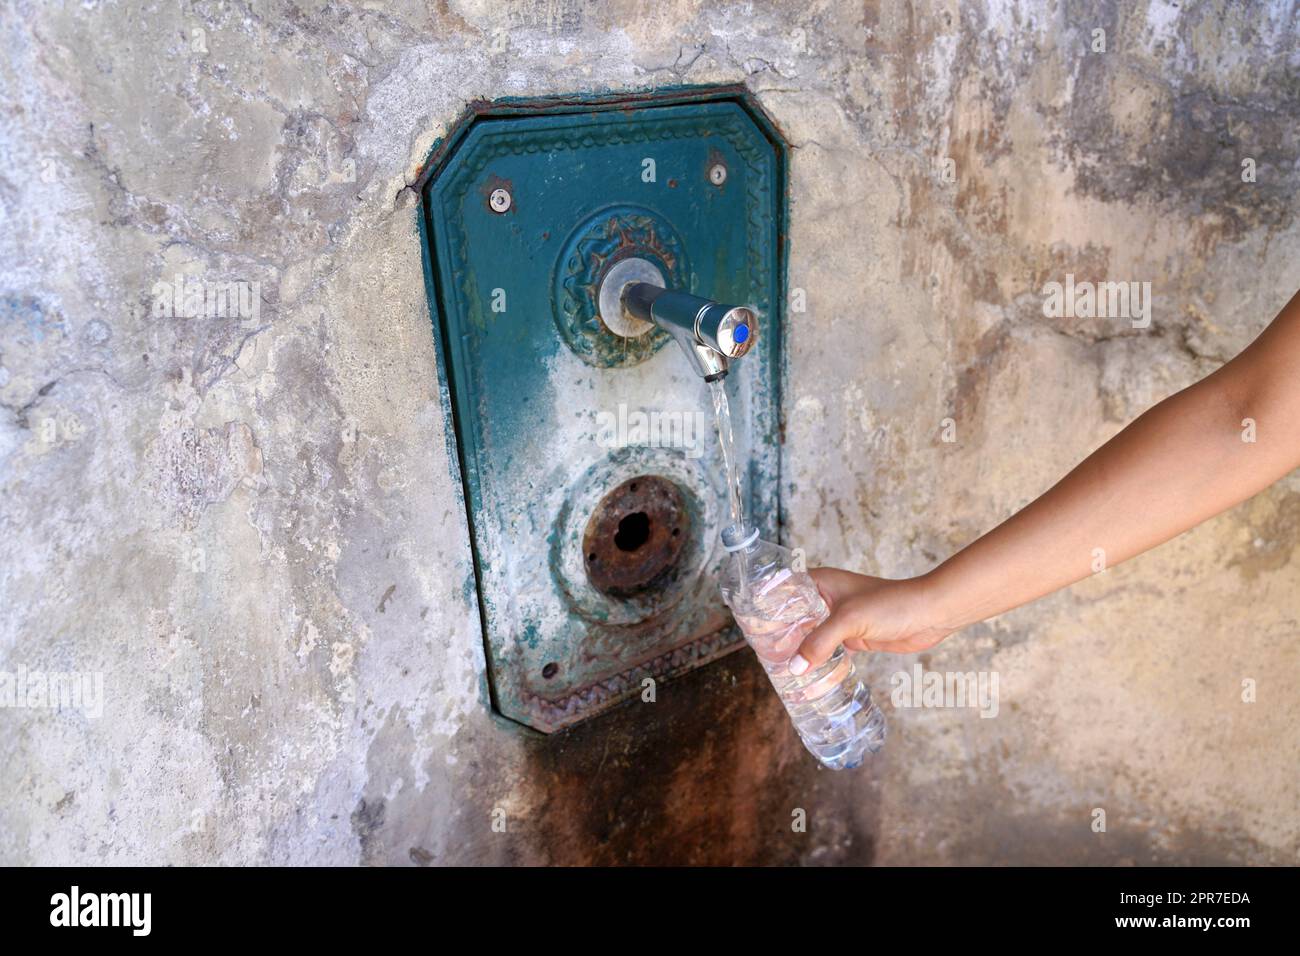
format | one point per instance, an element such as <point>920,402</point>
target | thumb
<point>818,646</point>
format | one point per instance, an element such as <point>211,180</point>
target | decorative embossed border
<point>608,691</point>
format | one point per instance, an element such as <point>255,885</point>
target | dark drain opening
<point>636,536</point>
<point>633,531</point>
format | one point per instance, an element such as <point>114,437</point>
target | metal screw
<point>717,174</point>
<point>499,201</point>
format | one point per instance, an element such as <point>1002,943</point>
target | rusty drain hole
<point>633,530</point>
<point>635,536</point>
<point>550,670</point>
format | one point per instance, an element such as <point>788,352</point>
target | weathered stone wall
<point>250,526</point>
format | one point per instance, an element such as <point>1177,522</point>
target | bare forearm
<point>1181,462</point>
<point>1193,455</point>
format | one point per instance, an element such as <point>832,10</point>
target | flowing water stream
<point>722,413</point>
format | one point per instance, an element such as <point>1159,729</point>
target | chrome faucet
<point>633,298</point>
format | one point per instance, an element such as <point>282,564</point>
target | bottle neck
<point>738,539</point>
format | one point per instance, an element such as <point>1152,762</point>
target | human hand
<point>871,614</point>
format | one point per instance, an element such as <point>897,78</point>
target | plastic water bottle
<point>777,607</point>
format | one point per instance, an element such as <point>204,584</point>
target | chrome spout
<point>710,333</point>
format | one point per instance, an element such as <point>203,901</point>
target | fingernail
<point>797,665</point>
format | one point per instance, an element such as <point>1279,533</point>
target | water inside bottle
<point>777,616</point>
<point>829,705</point>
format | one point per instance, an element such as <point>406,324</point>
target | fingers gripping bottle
<point>777,607</point>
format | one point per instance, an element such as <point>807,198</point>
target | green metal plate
<point>556,417</point>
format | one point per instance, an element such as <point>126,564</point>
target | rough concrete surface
<point>252,528</point>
